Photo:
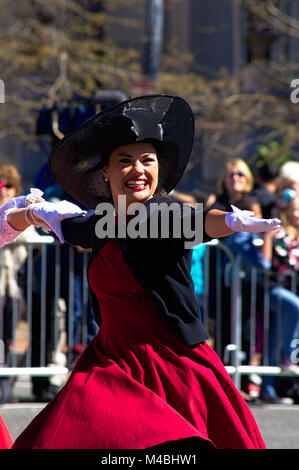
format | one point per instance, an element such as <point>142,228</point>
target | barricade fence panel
<point>46,318</point>
<point>250,322</point>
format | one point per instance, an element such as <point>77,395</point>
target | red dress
<point>5,438</point>
<point>137,385</point>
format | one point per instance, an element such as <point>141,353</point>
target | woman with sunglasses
<point>234,186</point>
<point>235,182</point>
<point>148,378</point>
<point>10,183</point>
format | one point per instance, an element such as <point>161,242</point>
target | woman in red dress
<point>148,378</point>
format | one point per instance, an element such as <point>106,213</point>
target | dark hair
<point>246,203</point>
<point>269,171</point>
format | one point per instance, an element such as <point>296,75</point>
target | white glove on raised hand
<point>22,201</point>
<point>242,221</point>
<point>7,233</point>
<point>52,213</point>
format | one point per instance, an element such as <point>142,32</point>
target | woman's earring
<point>105,179</point>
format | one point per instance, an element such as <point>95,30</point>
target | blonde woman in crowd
<point>289,176</point>
<point>288,186</point>
<point>234,183</point>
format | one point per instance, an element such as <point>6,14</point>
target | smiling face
<point>235,179</point>
<point>132,171</point>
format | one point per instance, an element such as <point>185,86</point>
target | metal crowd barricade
<point>39,313</point>
<point>228,272</point>
<point>49,291</point>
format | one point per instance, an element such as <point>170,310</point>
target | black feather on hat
<point>165,121</point>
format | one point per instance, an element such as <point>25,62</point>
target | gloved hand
<point>51,214</point>
<point>7,233</point>
<point>242,221</point>
<point>22,201</point>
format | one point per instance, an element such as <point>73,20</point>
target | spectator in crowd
<point>289,176</point>
<point>265,188</point>
<point>244,242</point>
<point>282,249</point>
<point>235,181</point>
<point>247,246</point>
<point>10,183</point>
<point>12,259</point>
<point>234,184</point>
<point>288,184</point>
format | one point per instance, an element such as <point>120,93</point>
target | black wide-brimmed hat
<point>165,121</point>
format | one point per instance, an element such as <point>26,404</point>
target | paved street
<point>279,424</point>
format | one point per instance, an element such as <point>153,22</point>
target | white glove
<point>35,194</point>
<point>7,233</point>
<point>22,201</point>
<point>53,213</point>
<point>242,221</point>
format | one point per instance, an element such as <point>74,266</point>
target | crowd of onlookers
<point>270,192</point>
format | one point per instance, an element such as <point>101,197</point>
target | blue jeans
<point>284,304</point>
<point>284,301</point>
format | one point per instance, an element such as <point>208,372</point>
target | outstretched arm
<point>17,215</point>
<point>18,221</point>
<point>215,225</point>
<point>221,224</point>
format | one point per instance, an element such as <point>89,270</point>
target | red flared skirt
<point>6,441</point>
<point>137,385</point>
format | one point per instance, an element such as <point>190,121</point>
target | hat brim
<point>166,121</point>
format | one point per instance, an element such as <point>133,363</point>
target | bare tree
<point>51,51</point>
<point>269,12</point>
